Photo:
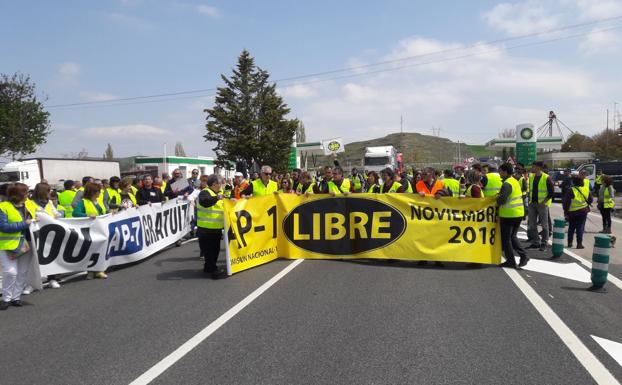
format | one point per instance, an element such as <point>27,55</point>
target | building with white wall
<point>160,165</point>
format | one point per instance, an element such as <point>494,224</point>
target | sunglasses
<point>267,173</point>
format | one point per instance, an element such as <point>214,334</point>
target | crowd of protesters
<point>520,193</point>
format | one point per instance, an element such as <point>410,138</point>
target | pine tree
<point>247,121</point>
<point>109,154</point>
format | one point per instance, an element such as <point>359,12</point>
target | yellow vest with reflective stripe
<point>608,202</point>
<point>542,189</point>
<point>64,199</point>
<point>344,188</point>
<point>10,241</point>
<point>212,217</point>
<point>578,201</point>
<point>308,190</point>
<point>453,186</point>
<point>356,182</point>
<point>163,187</point>
<point>373,187</point>
<point>394,187</point>
<point>91,210</point>
<point>113,196</point>
<point>513,207</point>
<point>493,184</point>
<point>259,189</point>
<point>33,207</point>
<point>469,191</point>
<point>585,189</point>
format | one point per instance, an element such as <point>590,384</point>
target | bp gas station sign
<point>526,144</point>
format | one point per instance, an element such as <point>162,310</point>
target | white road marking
<point>563,270</point>
<point>193,342</point>
<point>613,348</point>
<point>595,368</point>
<point>551,295</point>
<point>610,277</point>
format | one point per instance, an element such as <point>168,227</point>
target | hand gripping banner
<point>377,226</point>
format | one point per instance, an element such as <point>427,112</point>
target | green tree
<point>248,121</point>
<point>109,154</point>
<point>579,143</point>
<point>24,124</point>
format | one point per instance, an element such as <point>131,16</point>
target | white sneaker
<point>54,284</point>
<point>27,290</point>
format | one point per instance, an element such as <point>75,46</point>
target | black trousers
<point>209,243</point>
<point>606,215</point>
<point>509,240</point>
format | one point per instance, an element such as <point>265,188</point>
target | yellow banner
<point>378,226</point>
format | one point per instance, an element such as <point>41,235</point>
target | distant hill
<point>416,148</point>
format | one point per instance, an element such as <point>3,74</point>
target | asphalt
<point>326,322</point>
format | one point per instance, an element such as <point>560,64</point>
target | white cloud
<point>139,131</point>
<point>521,18</point>
<point>297,91</point>
<point>600,41</point>
<point>596,9</point>
<point>88,96</point>
<point>67,75</point>
<point>208,10</point>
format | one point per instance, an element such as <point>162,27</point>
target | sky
<point>468,68</point>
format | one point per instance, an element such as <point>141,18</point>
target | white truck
<point>379,158</point>
<point>56,170</point>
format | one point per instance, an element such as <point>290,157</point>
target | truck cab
<point>26,172</point>
<point>613,169</point>
<point>379,158</point>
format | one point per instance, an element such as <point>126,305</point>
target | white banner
<point>81,244</point>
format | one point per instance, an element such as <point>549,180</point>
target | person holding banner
<point>210,223</point>
<point>306,184</point>
<point>90,207</point>
<point>511,213</point>
<point>338,185</point>
<point>41,202</point>
<point>263,185</point>
<point>472,187</point>
<point>15,253</point>
<point>430,186</point>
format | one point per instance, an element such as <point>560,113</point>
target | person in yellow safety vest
<point>111,193</point>
<point>65,198</point>
<point>90,207</point>
<point>606,202</point>
<point>210,224</point>
<point>511,213</point>
<point>598,181</point>
<point>520,174</point>
<point>306,186</point>
<point>338,185</point>
<point>164,181</point>
<point>41,201</point>
<point>263,185</point>
<point>373,182</point>
<point>461,178</point>
<point>472,186</point>
<point>451,184</point>
<point>80,191</point>
<point>126,197</point>
<point>14,232</point>
<point>541,193</point>
<point>491,182</point>
<point>576,205</point>
<point>585,182</point>
<point>389,185</point>
<point>357,182</point>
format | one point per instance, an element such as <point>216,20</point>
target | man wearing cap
<point>240,184</point>
<point>541,193</point>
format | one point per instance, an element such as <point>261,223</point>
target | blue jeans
<point>576,223</point>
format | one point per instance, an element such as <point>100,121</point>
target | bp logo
<point>526,133</point>
<point>334,146</point>
<point>343,226</point>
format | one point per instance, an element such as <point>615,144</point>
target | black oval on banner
<point>343,226</point>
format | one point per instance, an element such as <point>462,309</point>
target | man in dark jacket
<point>148,193</point>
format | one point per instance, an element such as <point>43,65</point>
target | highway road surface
<point>321,322</point>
